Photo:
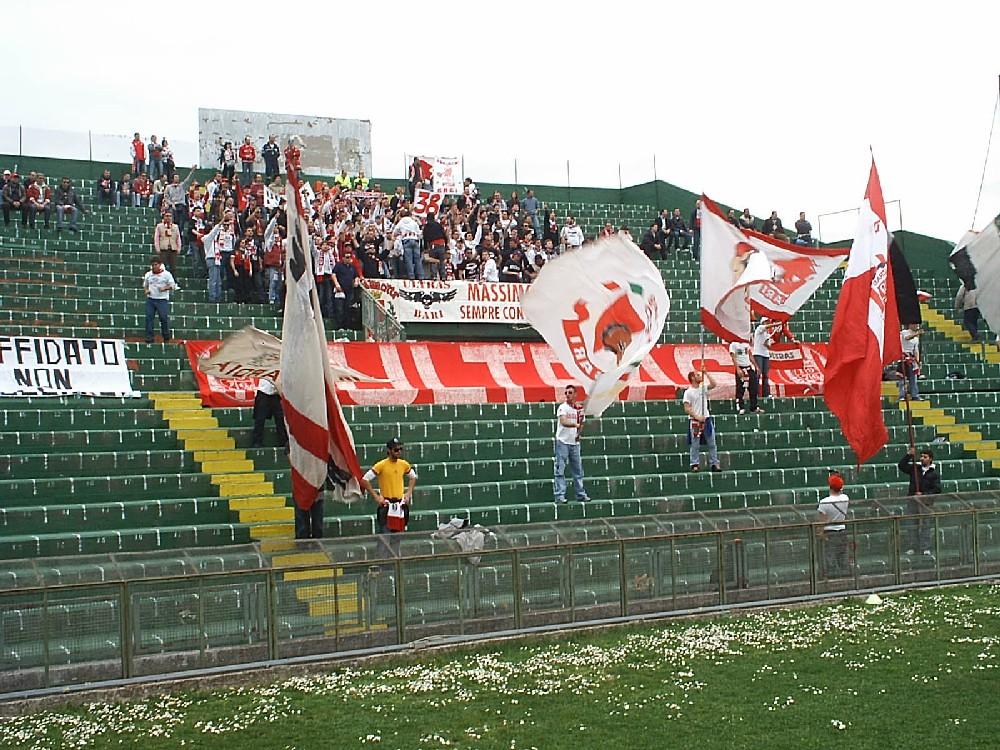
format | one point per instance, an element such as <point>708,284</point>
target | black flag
<point>906,290</point>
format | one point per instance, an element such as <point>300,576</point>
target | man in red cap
<point>833,513</point>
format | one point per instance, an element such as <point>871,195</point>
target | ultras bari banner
<point>476,373</point>
<point>414,301</point>
<point>50,366</point>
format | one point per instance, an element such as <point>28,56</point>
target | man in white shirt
<point>569,423</point>
<point>746,370</point>
<point>833,513</point>
<point>571,235</point>
<point>267,405</point>
<point>408,233</point>
<point>701,428</point>
<point>908,367</point>
<point>158,283</point>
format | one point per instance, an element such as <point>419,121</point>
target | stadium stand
<point>87,479</point>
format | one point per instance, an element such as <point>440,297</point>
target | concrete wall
<point>330,143</point>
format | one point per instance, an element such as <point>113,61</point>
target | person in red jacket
<point>138,150</point>
<point>248,155</point>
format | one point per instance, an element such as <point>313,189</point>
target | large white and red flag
<point>601,308</point>
<point>320,441</point>
<point>745,269</point>
<point>730,266</point>
<point>865,336</point>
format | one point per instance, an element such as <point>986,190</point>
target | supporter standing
<point>967,300</point>
<point>765,334</point>
<point>551,230</point>
<point>908,368</point>
<point>571,235</point>
<point>435,248</point>
<point>833,534</point>
<point>393,511</point>
<point>468,269</point>
<point>346,282</point>
<point>248,155</point>
<point>530,206</point>
<point>219,244</point>
<point>270,152</point>
<point>267,405</point>
<point>569,427</point>
<point>158,283</point>
<point>167,241</point>
<point>407,231</point>
<point>138,151</point>
<point>155,153</point>
<point>924,481</point>
<point>175,196</point>
<point>227,160</point>
<point>746,376</point>
<point>701,426</point>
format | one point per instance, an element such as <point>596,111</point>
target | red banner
<point>474,372</point>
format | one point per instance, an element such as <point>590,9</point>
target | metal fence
<point>377,322</point>
<point>85,620</point>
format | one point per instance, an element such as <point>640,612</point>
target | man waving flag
<point>321,446</point>
<point>865,336</point>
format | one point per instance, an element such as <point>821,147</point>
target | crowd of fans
<point>233,226</point>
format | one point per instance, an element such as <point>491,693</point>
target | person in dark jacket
<point>924,481</point>
<point>772,225</point>
<point>435,248</point>
<point>15,198</point>
<point>66,201</point>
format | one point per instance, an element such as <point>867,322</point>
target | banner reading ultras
<point>45,366</point>
<point>449,301</point>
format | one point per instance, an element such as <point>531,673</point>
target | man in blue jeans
<point>569,423</point>
<point>158,283</point>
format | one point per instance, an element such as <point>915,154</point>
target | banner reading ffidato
<point>47,366</point>
<point>413,301</point>
<point>478,372</point>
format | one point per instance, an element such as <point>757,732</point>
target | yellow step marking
<point>257,503</point>
<point>300,558</point>
<point>276,545</point>
<point>227,466</point>
<point>246,477</point>
<point>354,629</point>
<point>326,591</point>
<point>331,608</point>
<point>238,489</point>
<point>219,455</point>
<point>267,530</point>
<point>266,515</point>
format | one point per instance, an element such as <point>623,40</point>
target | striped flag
<point>865,335</point>
<point>320,441</point>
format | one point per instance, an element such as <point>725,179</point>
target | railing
<point>81,633</point>
<point>378,323</point>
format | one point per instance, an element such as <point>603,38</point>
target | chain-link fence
<point>78,620</point>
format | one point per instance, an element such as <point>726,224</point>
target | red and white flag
<point>865,336</point>
<point>730,265</point>
<point>320,441</point>
<point>797,272</point>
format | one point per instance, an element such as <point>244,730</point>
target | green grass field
<point>922,670</point>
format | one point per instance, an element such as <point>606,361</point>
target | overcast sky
<point>768,105</point>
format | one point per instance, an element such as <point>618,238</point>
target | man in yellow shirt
<point>393,511</point>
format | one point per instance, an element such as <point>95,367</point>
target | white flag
<point>602,309</point>
<point>730,265</point>
<point>976,260</point>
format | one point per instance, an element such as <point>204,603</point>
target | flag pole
<point>909,426</point>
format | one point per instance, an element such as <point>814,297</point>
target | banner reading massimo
<point>48,366</point>
<point>449,301</point>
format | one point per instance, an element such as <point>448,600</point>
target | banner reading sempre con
<point>48,366</point>
<point>449,301</point>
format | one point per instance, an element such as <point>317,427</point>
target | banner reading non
<point>48,366</point>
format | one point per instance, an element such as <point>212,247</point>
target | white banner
<point>449,301</point>
<point>425,201</point>
<point>45,366</point>
<point>445,173</point>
